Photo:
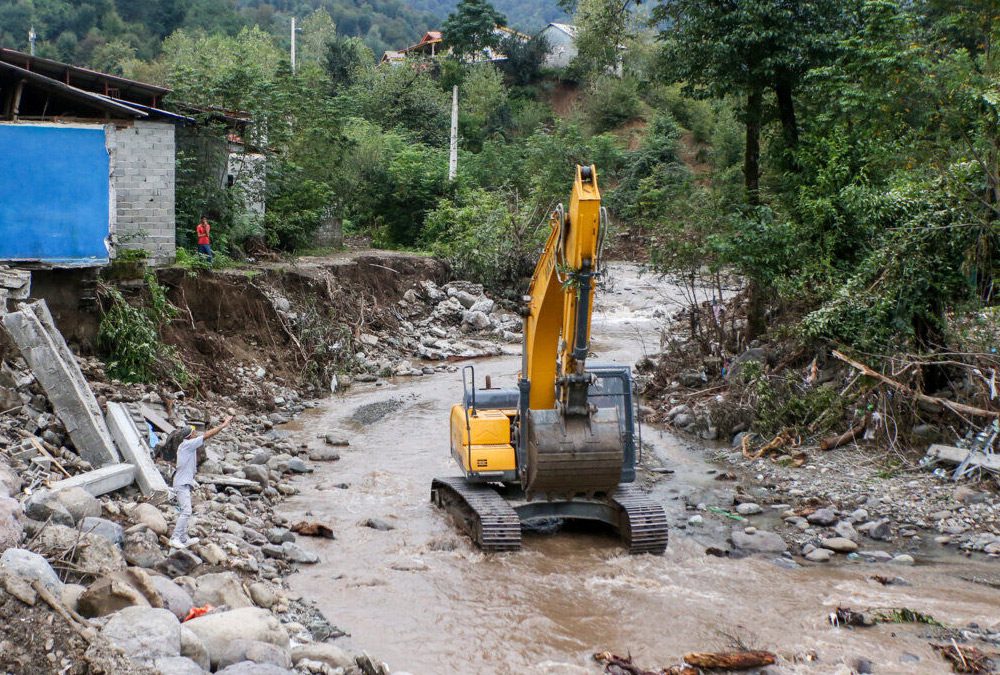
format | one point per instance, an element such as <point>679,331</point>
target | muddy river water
<point>421,598</point>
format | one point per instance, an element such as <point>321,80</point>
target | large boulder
<point>151,517</point>
<point>97,555</point>
<point>760,541</point>
<point>43,506</point>
<point>251,668</point>
<point>331,655</point>
<point>10,525</point>
<point>223,588</point>
<point>173,596</point>
<point>193,648</point>
<point>31,567</point>
<point>218,629</point>
<point>10,481</point>
<point>177,665</point>
<point>108,529</point>
<point>145,633</point>
<point>240,650</point>
<point>80,503</point>
<point>116,591</point>
<point>142,548</point>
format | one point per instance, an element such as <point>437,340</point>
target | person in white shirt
<point>187,464</point>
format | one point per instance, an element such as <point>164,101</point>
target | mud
<point>423,599</point>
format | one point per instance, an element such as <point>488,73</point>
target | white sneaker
<point>177,543</point>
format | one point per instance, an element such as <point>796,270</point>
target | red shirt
<point>203,230</point>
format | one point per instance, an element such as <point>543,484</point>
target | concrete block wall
<point>142,176</point>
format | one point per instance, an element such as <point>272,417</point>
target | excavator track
<point>643,522</point>
<point>487,516</point>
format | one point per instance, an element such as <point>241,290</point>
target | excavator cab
<point>563,442</point>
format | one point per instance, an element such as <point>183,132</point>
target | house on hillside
<point>429,45</point>
<point>393,58</point>
<point>87,165</point>
<point>561,38</point>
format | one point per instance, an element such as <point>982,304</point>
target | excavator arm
<point>560,300</point>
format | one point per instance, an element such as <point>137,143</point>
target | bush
<point>611,102</point>
<point>486,238</point>
<point>130,337</point>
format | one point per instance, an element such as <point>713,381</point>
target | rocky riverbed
<point>95,575</point>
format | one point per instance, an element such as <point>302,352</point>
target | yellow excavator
<point>563,442</point>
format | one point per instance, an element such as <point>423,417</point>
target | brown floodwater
<point>424,600</point>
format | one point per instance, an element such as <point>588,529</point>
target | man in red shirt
<point>204,246</point>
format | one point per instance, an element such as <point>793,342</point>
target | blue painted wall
<point>54,194</point>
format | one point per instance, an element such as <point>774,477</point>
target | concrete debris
<point>43,347</point>
<point>136,452</point>
<point>99,481</point>
<point>15,284</point>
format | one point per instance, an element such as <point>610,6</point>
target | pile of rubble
<point>85,518</point>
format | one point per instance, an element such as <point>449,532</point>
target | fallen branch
<point>76,622</point>
<point>730,660</point>
<point>847,437</point>
<point>918,395</point>
<point>966,658</point>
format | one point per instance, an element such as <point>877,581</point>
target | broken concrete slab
<point>135,451</point>
<point>156,419</point>
<point>14,284</point>
<point>99,481</point>
<point>55,367</point>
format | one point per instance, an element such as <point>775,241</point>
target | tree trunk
<point>751,157</point>
<point>786,111</point>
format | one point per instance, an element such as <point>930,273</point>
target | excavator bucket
<point>570,456</point>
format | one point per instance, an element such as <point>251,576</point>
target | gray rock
<point>10,524</point>
<point>179,563</point>
<point>379,524</point>
<point>279,535</point>
<point>824,517</point>
<point>261,457</point>
<point>324,455</point>
<point>79,503</point>
<point>44,506</point>
<point>296,465</point>
<point>151,517</point>
<point>875,556</point>
<point>257,474</point>
<point>177,665</point>
<point>272,551</point>
<point>840,545</point>
<point>98,555</point>
<point>240,650</point>
<point>475,320</point>
<point>760,541</point>
<point>859,516</point>
<point>222,588</point>
<point>335,440</point>
<point>218,629</point>
<point>103,527</point>
<point>691,378</point>
<point>785,563</point>
<point>678,410</point>
<point>749,509</point>
<point>902,559</point>
<point>907,657</point>
<point>323,652</point>
<point>193,648</point>
<point>467,300</point>
<point>863,666</point>
<point>110,594</point>
<point>967,495</point>
<point>263,595</point>
<point>296,553</point>
<point>819,555</point>
<point>846,530</point>
<point>880,530</point>
<point>683,421</point>
<point>173,597</point>
<point>145,633</point>
<point>484,305</point>
<point>10,481</point>
<point>142,549</point>
<point>31,567</point>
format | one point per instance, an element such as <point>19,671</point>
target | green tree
<point>472,28</point>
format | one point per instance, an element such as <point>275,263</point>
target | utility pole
<point>294,30</point>
<point>31,40</point>
<point>453,155</point>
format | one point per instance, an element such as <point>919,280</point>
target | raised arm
<point>212,432</point>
